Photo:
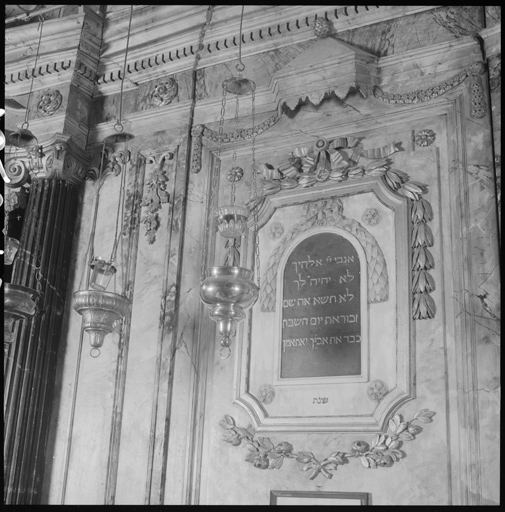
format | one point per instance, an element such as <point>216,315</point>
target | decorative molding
<point>477,93</point>
<point>383,451</point>
<point>258,29</point>
<point>49,103</point>
<point>156,194</point>
<point>330,213</point>
<point>424,138</point>
<point>164,92</point>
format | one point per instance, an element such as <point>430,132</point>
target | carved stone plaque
<point>333,313</point>
<point>321,327</point>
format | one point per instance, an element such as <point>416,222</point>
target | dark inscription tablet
<point>321,317</point>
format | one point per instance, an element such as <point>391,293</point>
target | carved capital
<point>56,159</point>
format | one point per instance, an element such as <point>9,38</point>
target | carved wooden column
<point>42,264</point>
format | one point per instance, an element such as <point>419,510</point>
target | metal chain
<point>214,187</point>
<point>120,213</point>
<point>234,162</point>
<point>255,193</point>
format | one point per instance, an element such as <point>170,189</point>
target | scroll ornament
<point>383,452</point>
<point>156,195</point>
<point>477,92</point>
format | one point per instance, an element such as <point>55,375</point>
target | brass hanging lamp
<point>230,289</point>
<point>100,308</point>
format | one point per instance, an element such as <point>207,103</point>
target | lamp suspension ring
<point>25,125</point>
<point>240,67</point>
<point>224,352</point>
<point>94,352</point>
<point>118,127</point>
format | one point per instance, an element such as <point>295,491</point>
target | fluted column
<point>42,264</point>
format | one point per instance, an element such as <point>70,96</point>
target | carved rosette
<point>266,394</point>
<point>164,92</point>
<point>425,138</point>
<point>377,390</point>
<point>49,103</point>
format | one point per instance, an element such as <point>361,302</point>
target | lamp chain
<point>41,24</point>
<point>119,125</point>
<point>214,186</point>
<point>234,162</point>
<point>255,192</point>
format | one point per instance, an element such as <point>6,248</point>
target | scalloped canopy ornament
<point>327,66</point>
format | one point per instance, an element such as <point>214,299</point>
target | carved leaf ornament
<point>338,160</point>
<point>156,195</point>
<point>383,451</point>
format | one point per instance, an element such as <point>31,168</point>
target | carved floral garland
<point>384,451</point>
<point>330,160</point>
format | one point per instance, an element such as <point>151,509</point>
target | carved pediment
<point>326,66</point>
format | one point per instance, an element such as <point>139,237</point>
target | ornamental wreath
<point>384,451</point>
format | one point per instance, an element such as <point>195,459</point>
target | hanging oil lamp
<point>230,289</point>
<point>100,308</point>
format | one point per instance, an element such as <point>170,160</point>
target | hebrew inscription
<point>321,317</point>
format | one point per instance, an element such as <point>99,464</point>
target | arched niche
<point>323,315</point>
